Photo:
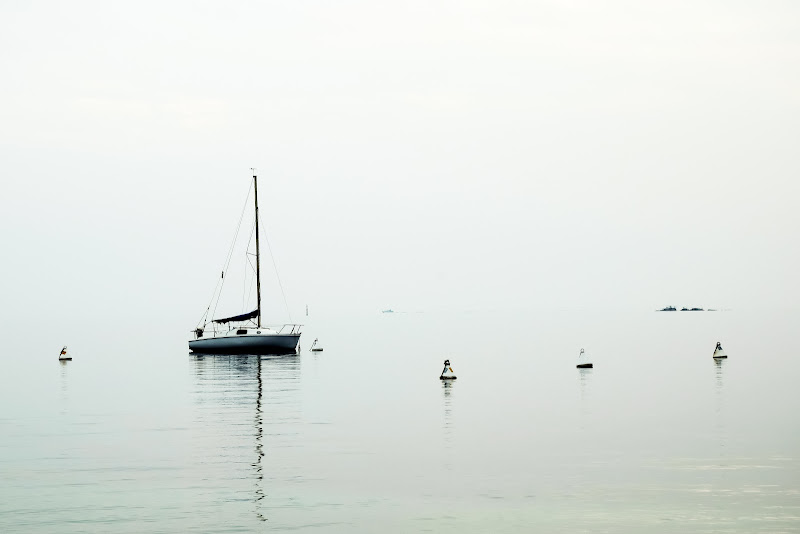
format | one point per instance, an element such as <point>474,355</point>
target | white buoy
<point>64,356</point>
<point>718,352</point>
<point>314,347</point>
<point>447,372</point>
<point>582,363</point>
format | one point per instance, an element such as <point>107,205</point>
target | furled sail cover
<point>243,317</point>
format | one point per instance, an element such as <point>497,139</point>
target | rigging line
<point>233,244</point>
<point>252,231</point>
<point>247,255</point>
<point>205,315</point>
<point>274,266</point>
<point>250,291</point>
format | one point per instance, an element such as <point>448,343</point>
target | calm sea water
<point>363,437</point>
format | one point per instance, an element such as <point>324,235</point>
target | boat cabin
<point>288,329</point>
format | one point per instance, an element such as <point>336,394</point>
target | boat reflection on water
<point>235,389</point>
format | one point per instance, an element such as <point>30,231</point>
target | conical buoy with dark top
<point>583,364</point>
<point>64,356</point>
<point>718,352</point>
<point>314,347</point>
<point>447,372</point>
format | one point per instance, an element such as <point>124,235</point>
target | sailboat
<point>245,334</point>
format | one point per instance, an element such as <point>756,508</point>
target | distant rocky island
<point>673,308</point>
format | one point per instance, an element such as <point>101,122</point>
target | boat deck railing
<point>282,329</point>
<point>293,328</point>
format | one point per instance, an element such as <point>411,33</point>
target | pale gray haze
<point>415,155</point>
<point>523,178</point>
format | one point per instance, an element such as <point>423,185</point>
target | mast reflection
<point>229,384</point>
<point>259,421</point>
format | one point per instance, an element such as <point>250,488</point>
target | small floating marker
<point>582,364</point>
<point>64,356</point>
<point>314,347</point>
<point>447,372</point>
<point>718,352</point>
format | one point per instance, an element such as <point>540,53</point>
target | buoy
<point>64,356</point>
<point>718,352</point>
<point>314,347</point>
<point>447,372</point>
<point>583,365</point>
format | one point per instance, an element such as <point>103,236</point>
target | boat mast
<point>258,256</point>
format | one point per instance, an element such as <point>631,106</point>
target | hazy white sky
<point>415,155</point>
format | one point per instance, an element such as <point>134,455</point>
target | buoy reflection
<point>448,389</point>
<point>719,403</point>
<point>584,377</point>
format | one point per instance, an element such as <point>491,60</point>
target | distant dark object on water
<point>447,372</point>
<point>388,311</point>
<point>692,309</point>
<point>668,308</point>
<point>581,363</point>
